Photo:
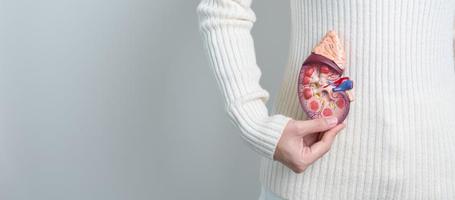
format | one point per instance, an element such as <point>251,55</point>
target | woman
<point>398,141</point>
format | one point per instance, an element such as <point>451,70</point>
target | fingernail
<point>331,121</point>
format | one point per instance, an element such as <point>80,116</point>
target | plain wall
<point>110,99</point>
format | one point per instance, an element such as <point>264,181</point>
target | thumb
<point>315,125</point>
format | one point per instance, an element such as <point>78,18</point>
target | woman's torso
<point>401,127</point>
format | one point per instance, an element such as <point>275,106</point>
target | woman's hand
<point>300,144</point>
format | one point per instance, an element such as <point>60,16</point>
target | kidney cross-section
<point>316,95</point>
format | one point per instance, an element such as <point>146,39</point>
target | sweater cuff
<point>261,131</point>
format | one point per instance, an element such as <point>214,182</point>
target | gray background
<point>110,99</point>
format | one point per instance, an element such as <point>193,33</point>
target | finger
<point>316,125</point>
<point>320,134</point>
<point>321,147</point>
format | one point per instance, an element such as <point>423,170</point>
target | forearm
<point>225,26</point>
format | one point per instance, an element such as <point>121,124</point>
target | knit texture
<point>399,142</point>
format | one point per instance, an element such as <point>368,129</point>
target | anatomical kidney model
<point>322,90</point>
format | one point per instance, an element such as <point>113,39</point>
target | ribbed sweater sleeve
<point>225,26</point>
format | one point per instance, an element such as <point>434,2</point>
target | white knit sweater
<point>399,142</point>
